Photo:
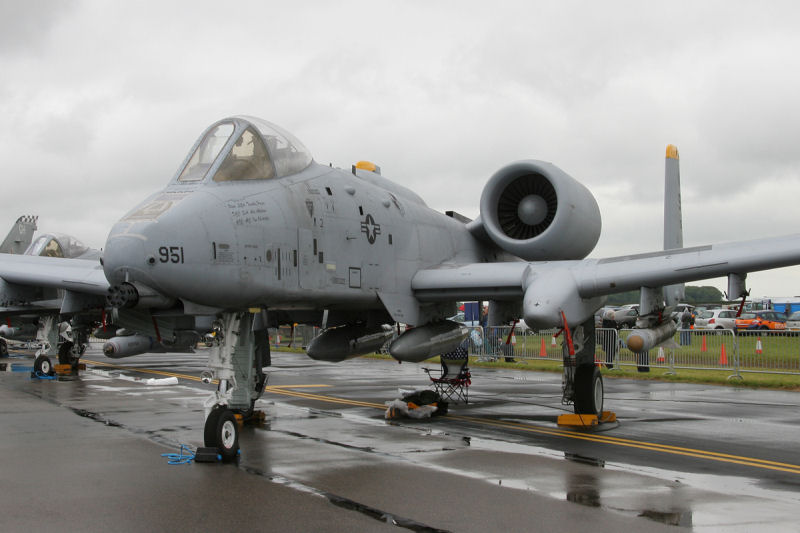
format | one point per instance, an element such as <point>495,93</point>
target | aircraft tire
<point>42,364</point>
<point>65,355</point>
<point>222,432</point>
<point>3,348</point>
<point>588,390</point>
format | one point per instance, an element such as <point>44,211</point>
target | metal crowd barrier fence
<point>763,351</point>
<point>740,352</point>
<point>496,342</point>
<point>768,351</point>
<point>690,349</point>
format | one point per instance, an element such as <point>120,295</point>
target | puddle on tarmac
<point>664,496</point>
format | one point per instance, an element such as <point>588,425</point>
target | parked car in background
<point>761,320</point>
<point>793,322</point>
<point>715,319</point>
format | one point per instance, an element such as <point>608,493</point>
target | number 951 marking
<point>170,254</point>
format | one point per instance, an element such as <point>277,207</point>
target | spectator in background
<point>488,344</point>
<point>686,324</point>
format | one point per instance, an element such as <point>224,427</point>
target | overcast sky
<point>100,101</point>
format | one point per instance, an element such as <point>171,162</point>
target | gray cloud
<point>25,25</point>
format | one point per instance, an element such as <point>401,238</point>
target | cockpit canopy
<point>244,148</point>
<point>55,245</point>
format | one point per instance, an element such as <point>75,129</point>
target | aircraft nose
<point>124,256</point>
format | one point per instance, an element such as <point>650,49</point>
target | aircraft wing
<point>547,288</point>
<point>617,274</point>
<point>78,275</point>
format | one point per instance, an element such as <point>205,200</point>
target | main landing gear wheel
<point>42,364</point>
<point>70,353</point>
<point>3,348</point>
<point>222,432</point>
<point>588,390</point>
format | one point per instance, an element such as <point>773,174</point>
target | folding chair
<point>454,378</point>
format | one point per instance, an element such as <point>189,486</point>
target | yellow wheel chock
<point>585,421</point>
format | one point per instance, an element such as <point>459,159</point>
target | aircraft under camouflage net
<point>252,233</point>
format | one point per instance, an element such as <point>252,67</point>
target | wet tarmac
<point>85,452</point>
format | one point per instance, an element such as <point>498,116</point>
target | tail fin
<point>673,219</point>
<point>20,236</point>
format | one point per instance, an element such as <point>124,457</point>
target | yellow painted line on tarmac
<point>642,445</point>
<point>145,370</point>
<point>316,385</point>
<point>328,399</point>
<point>288,390</point>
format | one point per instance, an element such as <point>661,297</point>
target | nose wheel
<point>42,365</point>
<point>222,432</point>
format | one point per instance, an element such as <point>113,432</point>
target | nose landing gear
<point>237,362</point>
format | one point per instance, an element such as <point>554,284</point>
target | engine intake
<point>536,211</point>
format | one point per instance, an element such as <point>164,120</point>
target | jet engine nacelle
<point>344,342</point>
<point>536,211</point>
<point>129,345</point>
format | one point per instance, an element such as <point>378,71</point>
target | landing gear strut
<point>237,362</point>
<point>582,383</point>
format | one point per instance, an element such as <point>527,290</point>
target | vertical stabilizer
<point>20,236</point>
<point>673,219</point>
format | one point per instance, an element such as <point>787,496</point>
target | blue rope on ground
<point>180,458</point>
<point>41,375</point>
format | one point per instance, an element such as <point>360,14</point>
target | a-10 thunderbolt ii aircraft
<point>37,318</point>
<point>251,232</point>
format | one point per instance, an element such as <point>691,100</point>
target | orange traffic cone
<point>759,348</point>
<point>723,359</point>
<point>543,349</point>
<point>704,348</point>
<point>513,339</point>
<point>553,341</point>
<point>660,358</point>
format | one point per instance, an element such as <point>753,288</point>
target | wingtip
<point>672,151</point>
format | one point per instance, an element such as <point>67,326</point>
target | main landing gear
<point>582,384</point>
<point>238,363</point>
<point>47,337</point>
<point>71,350</point>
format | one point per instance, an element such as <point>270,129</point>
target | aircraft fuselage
<point>323,237</point>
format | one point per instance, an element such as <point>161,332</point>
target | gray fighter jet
<point>36,318</point>
<point>252,233</point>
